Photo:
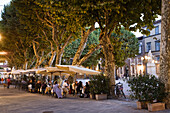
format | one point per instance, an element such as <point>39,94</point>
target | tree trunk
<point>25,62</point>
<point>59,57</point>
<point>84,38</point>
<point>52,58</point>
<point>109,62</point>
<point>37,62</point>
<point>25,65</point>
<point>91,51</point>
<point>165,49</point>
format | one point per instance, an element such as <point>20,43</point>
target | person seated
<point>80,89</point>
<point>48,89</point>
<point>57,90</point>
<point>65,88</point>
<point>87,90</point>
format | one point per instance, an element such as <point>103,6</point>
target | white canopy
<point>51,71</point>
<point>77,69</point>
<point>16,72</point>
<point>24,71</point>
<point>60,71</point>
<point>33,70</point>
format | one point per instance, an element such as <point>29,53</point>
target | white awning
<point>77,69</point>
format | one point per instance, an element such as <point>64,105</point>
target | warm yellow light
<point>153,61</point>
<point>156,61</point>
<point>3,53</point>
<point>146,57</point>
<point>149,57</point>
<point>0,37</point>
<point>140,67</point>
<point>142,58</point>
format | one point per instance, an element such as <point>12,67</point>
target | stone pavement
<point>15,101</point>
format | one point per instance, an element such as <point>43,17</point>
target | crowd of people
<point>55,89</point>
<point>74,88</point>
<point>6,82</point>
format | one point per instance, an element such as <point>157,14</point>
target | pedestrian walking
<point>44,85</point>
<point>8,82</point>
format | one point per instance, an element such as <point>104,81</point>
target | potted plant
<point>148,90</point>
<point>99,86</point>
<point>92,84</point>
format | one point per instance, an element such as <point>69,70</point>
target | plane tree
<point>112,15</point>
<point>55,16</point>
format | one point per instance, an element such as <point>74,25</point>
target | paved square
<point>15,101</point>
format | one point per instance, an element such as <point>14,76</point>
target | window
<point>157,45</point>
<point>157,30</point>
<point>140,48</point>
<point>148,46</point>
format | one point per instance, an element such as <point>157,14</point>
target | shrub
<point>147,88</point>
<point>99,84</point>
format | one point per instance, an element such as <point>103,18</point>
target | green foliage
<point>27,19</point>
<point>93,40</point>
<point>50,20</point>
<point>16,39</point>
<point>99,84</point>
<point>125,46</point>
<point>116,13</point>
<point>147,88</point>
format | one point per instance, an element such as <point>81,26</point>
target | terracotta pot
<point>92,96</point>
<point>156,106</point>
<point>142,104</point>
<point>101,96</point>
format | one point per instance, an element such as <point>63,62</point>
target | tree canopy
<point>125,46</point>
<point>61,22</point>
<point>71,49</point>
<point>16,39</point>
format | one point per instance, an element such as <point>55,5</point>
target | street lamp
<point>3,53</point>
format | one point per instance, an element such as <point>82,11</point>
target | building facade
<point>147,61</point>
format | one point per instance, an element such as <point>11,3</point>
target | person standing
<point>65,88</point>
<point>70,88</point>
<point>44,85</point>
<point>79,87</point>
<point>8,82</point>
<point>76,87</point>
<point>73,88</point>
<point>57,90</point>
<point>2,80</point>
<point>87,90</point>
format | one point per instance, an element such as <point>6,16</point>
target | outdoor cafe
<point>59,81</point>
